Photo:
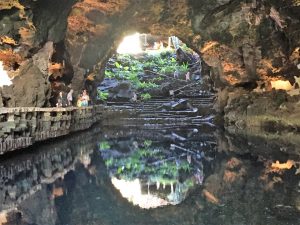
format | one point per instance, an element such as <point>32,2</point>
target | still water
<point>149,175</point>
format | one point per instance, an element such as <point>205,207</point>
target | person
<point>64,99</point>
<point>134,97</point>
<point>176,74</point>
<point>70,97</point>
<point>59,99</point>
<point>187,76</point>
<point>85,98</point>
<point>79,101</point>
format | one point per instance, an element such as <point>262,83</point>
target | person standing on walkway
<point>70,97</point>
<point>59,102</point>
<point>85,98</point>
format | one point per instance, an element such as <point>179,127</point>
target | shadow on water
<point>181,175</point>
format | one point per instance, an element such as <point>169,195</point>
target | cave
<point>147,66</point>
<point>198,124</point>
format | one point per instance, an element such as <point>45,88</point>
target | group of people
<point>65,100</point>
<point>83,99</point>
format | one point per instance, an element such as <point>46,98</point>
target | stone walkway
<point>21,127</point>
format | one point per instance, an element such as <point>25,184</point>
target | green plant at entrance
<point>145,97</point>
<point>146,85</point>
<point>184,68</point>
<point>143,72</point>
<point>102,95</point>
<point>169,69</point>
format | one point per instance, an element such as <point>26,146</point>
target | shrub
<point>102,95</point>
<point>145,97</point>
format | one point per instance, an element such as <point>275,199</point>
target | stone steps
<point>153,112</point>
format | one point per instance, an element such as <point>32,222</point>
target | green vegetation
<point>103,145</point>
<point>147,143</point>
<point>144,72</point>
<point>147,85</point>
<point>145,97</point>
<point>147,161</point>
<point>102,95</point>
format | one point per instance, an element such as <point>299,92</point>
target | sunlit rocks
<point>7,40</point>
<point>281,166</point>
<point>281,85</point>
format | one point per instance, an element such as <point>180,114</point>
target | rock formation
<point>246,44</point>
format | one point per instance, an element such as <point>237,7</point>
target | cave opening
<point>149,66</point>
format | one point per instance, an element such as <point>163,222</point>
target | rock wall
<point>29,32</point>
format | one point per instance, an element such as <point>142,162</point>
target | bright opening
<point>4,78</point>
<point>132,191</point>
<point>130,45</point>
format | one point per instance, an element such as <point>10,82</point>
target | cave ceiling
<point>241,41</point>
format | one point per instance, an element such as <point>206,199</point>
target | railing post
<point>10,124</point>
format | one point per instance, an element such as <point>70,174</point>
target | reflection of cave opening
<point>144,63</point>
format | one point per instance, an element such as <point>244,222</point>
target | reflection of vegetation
<point>103,145</point>
<point>147,161</point>
<point>147,143</point>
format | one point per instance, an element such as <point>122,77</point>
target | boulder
<point>42,58</point>
<point>181,104</point>
<point>122,91</point>
<point>31,88</point>
<point>108,84</point>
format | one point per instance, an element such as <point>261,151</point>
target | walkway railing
<point>21,127</point>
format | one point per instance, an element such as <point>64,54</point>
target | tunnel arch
<point>234,49</point>
<point>232,36</point>
<point>94,74</point>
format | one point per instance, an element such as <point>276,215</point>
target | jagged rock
<point>241,42</point>
<point>33,93</point>
<point>185,57</point>
<point>43,58</point>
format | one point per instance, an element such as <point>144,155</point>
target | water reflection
<point>232,179</point>
<point>159,171</point>
<point>132,190</point>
